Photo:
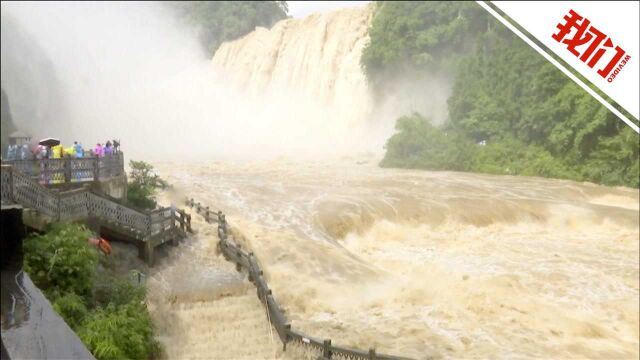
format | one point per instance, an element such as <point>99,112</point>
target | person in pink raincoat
<point>99,150</point>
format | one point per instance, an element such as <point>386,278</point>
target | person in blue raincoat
<point>78,150</point>
<point>12,152</point>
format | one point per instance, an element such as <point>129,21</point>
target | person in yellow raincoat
<point>57,154</point>
<point>57,151</point>
<point>69,151</point>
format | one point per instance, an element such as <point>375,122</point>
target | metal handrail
<point>248,262</point>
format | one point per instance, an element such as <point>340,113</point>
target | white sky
<point>300,9</point>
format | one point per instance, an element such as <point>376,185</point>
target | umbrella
<point>49,142</point>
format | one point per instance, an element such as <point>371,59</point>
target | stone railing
<point>247,262</point>
<point>18,188</point>
<point>68,170</point>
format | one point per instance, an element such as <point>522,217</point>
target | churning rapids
<point>415,263</point>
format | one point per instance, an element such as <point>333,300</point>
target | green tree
<point>418,144</point>
<point>143,184</point>
<point>533,119</point>
<point>220,21</point>
<point>410,36</point>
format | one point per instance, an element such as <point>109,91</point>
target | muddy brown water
<point>415,263</point>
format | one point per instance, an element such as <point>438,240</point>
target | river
<point>415,263</point>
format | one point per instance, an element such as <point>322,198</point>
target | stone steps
<point>230,327</point>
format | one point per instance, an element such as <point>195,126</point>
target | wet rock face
<point>31,329</point>
<point>11,238</point>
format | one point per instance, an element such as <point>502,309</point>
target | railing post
<point>67,170</point>
<point>173,217</point>
<point>173,226</point>
<point>372,354</point>
<point>287,329</point>
<point>13,186</point>
<point>326,349</point>
<point>148,231</point>
<point>59,215</point>
<point>148,251</point>
<point>120,163</point>
<point>182,220</point>
<point>96,169</point>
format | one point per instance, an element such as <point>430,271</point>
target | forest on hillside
<point>220,21</point>
<point>510,111</point>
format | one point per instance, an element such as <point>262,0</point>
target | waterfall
<point>315,60</point>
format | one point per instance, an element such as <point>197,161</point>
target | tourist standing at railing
<point>40,152</point>
<point>108,150</point>
<point>57,152</point>
<point>12,149</point>
<point>79,154</point>
<point>69,152</point>
<point>99,150</point>
<point>78,150</point>
<point>23,152</point>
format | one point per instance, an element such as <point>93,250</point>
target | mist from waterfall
<point>132,71</point>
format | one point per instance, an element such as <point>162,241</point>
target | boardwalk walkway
<point>147,229</point>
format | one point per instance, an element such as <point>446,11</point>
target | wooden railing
<point>247,262</point>
<point>18,188</point>
<point>68,170</point>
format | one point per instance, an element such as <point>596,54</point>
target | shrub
<point>120,332</point>
<point>118,292</point>
<point>61,260</point>
<point>72,309</point>
<point>113,323</point>
<point>418,144</point>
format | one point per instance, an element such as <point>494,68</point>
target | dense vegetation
<point>407,37</point>
<point>108,314</point>
<point>143,184</point>
<point>61,261</point>
<point>533,119</point>
<point>220,21</point>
